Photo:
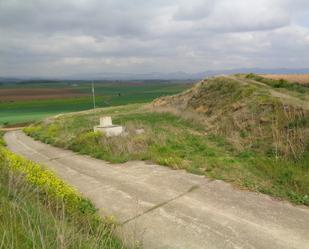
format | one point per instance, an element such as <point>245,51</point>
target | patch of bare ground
<point>7,94</point>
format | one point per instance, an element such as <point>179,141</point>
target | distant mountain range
<point>179,75</point>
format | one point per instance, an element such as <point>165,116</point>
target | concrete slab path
<point>165,208</point>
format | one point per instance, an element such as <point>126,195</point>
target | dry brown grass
<point>300,78</point>
<point>247,115</point>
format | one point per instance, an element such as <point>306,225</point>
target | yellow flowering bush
<point>47,182</point>
<point>55,214</point>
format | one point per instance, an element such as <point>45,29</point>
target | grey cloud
<point>249,15</point>
<point>47,38</point>
<point>97,17</point>
<point>194,10</point>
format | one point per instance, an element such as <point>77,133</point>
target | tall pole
<point>93,95</point>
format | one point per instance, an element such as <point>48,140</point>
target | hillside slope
<point>228,128</point>
<point>250,114</point>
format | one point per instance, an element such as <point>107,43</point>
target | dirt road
<point>165,208</point>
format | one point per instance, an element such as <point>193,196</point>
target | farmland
<point>17,94</point>
<point>299,78</point>
<point>33,101</point>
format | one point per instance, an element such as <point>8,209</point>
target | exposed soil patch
<point>37,94</point>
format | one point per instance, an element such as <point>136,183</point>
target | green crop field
<point>20,109</point>
<point>25,111</point>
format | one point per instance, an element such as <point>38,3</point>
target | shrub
<point>38,210</point>
<point>47,181</point>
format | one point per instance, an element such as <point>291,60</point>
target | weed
<point>2,142</point>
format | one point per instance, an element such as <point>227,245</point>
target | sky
<point>61,38</point>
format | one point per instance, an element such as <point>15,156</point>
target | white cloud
<point>49,38</point>
<point>249,15</point>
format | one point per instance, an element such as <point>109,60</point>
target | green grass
<point>246,114</point>
<point>50,215</point>
<point>181,144</point>
<point>2,142</point>
<point>284,84</point>
<point>23,111</point>
<point>107,94</point>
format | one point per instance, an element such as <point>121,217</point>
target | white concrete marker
<point>106,121</point>
<point>106,126</point>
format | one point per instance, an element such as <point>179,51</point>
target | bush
<point>48,182</point>
<point>32,195</point>
<point>38,210</point>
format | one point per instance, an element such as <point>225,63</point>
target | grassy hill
<point>249,113</point>
<point>236,128</point>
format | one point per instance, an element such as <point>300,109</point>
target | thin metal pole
<point>93,95</point>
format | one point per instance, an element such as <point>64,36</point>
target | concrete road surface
<point>165,208</point>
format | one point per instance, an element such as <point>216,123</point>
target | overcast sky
<point>58,37</point>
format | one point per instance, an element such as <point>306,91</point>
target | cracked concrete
<point>160,204</point>
<point>165,208</point>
